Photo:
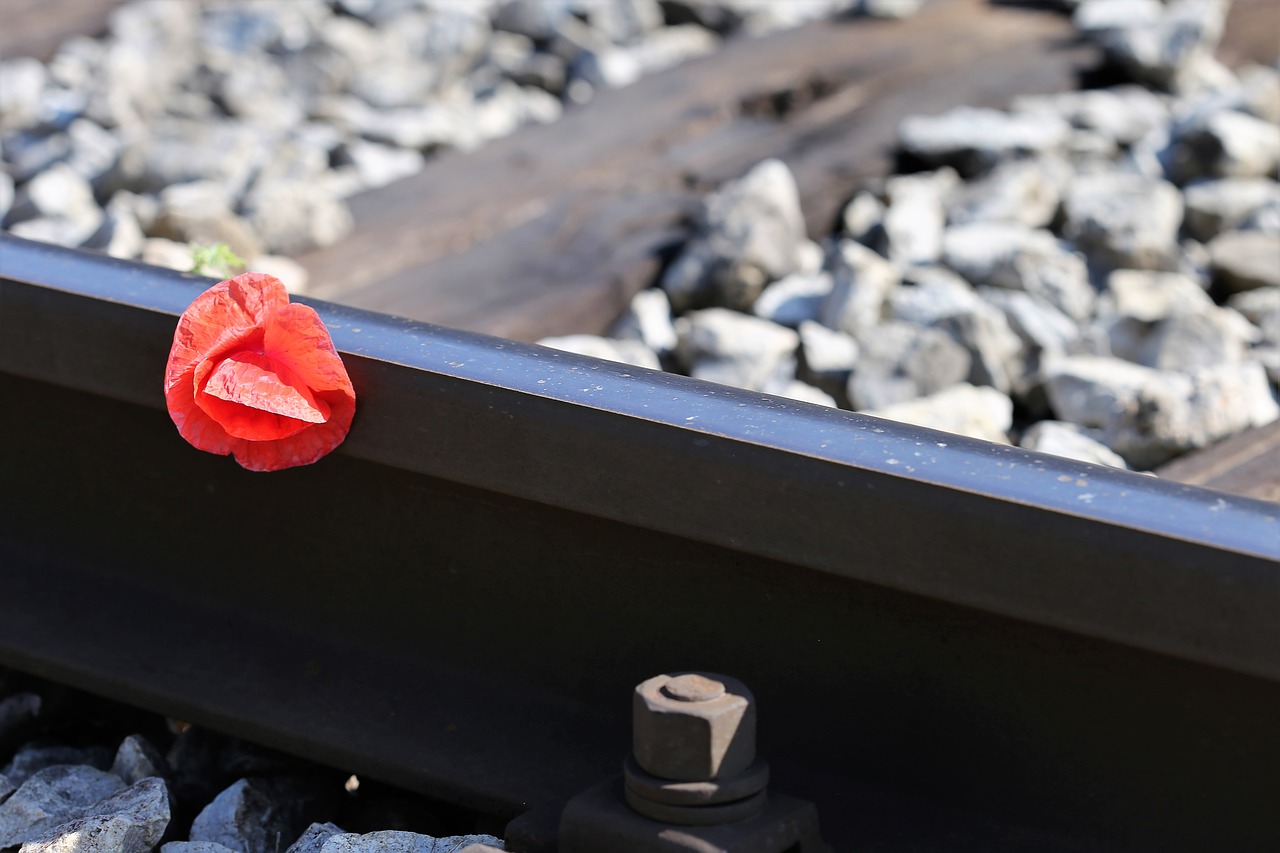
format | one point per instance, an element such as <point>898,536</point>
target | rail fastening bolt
<point>693,727</point>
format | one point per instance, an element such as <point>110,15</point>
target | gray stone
<point>573,37</point>
<point>28,154</point>
<point>756,224</point>
<point>256,88</point>
<point>1098,16</point>
<point>379,165</point>
<point>6,787</point>
<point>890,9</point>
<point>1025,192</point>
<point>1187,341</point>
<point>1194,262</point>
<point>861,283</point>
<point>912,224</point>
<point>974,140</point>
<point>250,816</point>
<point>22,83</point>
<point>1226,204</point>
<point>420,50</point>
<point>928,294</point>
<point>137,759</point>
<point>51,797</point>
<point>509,51</point>
<point>1091,391</point>
<point>1091,151</point>
<point>1149,416</point>
<point>1007,255</point>
<point>293,217</point>
<point>352,39</point>
<point>166,253</point>
<point>648,320</point>
<point>1149,296</point>
<point>58,192</point>
<point>203,847</point>
<point>1261,307</point>
<point>120,235</point>
<point>608,67</point>
<point>1124,221</point>
<point>392,841</point>
<point>543,70</point>
<point>1224,144</point>
<point>94,150</point>
<point>671,46</point>
<point>200,212</point>
<point>144,208</point>
<point>793,300</point>
<point>982,413</point>
<point>253,28</point>
<point>624,20</point>
<point>1269,358</point>
<point>537,19</point>
<point>129,821</point>
<point>502,110</point>
<point>804,392</point>
<point>178,150</point>
<point>812,257</point>
<point>750,234</point>
<point>724,346</point>
<point>1123,114</point>
<point>827,358</point>
<point>525,104</point>
<point>901,361</point>
<point>439,123</point>
<point>6,195</point>
<point>627,352</point>
<point>1166,52</point>
<point>311,841</point>
<point>1243,260</point>
<point>862,217</point>
<point>77,62</point>
<point>1258,92</point>
<point>301,157</point>
<point>58,230</point>
<point>765,16</point>
<point>995,351</point>
<point>1071,442</point>
<point>1265,219</point>
<point>1044,329</point>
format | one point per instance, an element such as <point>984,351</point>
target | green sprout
<point>217,260</point>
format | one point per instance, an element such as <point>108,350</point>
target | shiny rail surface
<point>1021,649</point>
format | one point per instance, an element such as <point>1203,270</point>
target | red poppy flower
<point>254,375</point>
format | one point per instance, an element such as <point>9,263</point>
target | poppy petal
<point>254,380</point>
<point>253,375</point>
<point>200,430</point>
<point>253,399</point>
<point>296,336</point>
<point>223,315</point>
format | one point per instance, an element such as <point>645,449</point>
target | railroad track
<point>953,644</point>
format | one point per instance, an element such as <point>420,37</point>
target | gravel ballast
<point>266,115</point>
<point>80,774</point>
<point>1083,274</point>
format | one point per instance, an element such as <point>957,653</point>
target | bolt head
<point>693,727</point>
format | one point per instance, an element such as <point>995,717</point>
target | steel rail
<point>511,537</point>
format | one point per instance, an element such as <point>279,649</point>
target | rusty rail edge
<point>510,527</point>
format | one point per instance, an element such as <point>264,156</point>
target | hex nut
<point>692,727</point>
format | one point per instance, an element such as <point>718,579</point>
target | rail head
<point>1110,554</point>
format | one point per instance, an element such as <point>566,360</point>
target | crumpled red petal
<point>253,375</point>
